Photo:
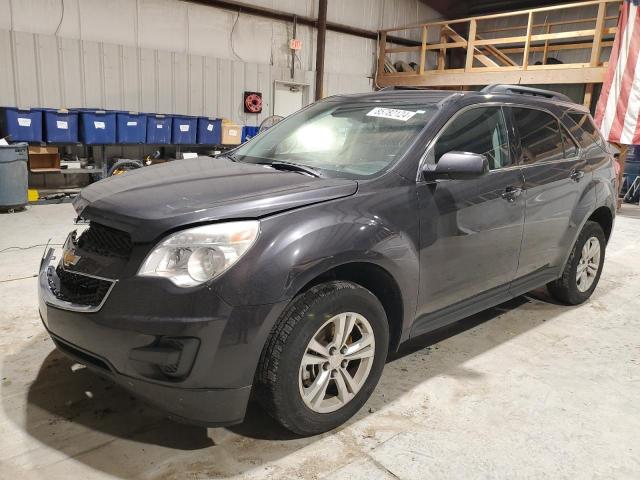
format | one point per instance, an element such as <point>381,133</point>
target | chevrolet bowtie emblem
<point>69,258</point>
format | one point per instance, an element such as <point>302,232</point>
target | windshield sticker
<point>392,113</point>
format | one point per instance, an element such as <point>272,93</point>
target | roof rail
<point>534,92</point>
<point>402,87</point>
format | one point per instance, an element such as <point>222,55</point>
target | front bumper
<point>125,338</point>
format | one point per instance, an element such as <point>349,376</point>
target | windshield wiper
<point>293,167</point>
<point>228,156</point>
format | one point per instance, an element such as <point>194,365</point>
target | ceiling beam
<point>301,19</point>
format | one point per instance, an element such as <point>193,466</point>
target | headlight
<point>196,255</point>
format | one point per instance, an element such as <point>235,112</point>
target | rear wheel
<point>582,271</point>
<point>323,358</point>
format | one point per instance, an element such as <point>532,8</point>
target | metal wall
<point>170,56</point>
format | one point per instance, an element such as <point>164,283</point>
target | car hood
<point>150,201</point>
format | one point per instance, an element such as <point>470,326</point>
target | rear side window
<point>570,147</point>
<point>540,137</point>
<point>479,130</point>
<point>583,129</point>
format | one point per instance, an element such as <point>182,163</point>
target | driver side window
<point>479,130</point>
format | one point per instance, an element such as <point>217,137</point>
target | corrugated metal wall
<point>170,56</point>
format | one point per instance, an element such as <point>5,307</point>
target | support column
<point>322,34</point>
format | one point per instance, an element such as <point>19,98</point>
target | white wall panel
<point>92,74</point>
<point>130,79</point>
<point>170,56</point>
<point>71,73</point>
<point>7,92</point>
<point>48,71</point>
<point>25,70</point>
<point>196,85</point>
<point>180,83</point>
<point>164,69</point>
<point>148,80</point>
<point>112,76</point>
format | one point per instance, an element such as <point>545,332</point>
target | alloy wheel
<point>589,264</point>
<point>336,362</point>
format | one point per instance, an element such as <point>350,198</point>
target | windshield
<point>351,140</point>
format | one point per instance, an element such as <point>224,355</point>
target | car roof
<point>409,95</point>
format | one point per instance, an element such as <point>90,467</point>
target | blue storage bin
<point>60,126</point>
<point>131,127</point>
<point>183,130</point>
<point>158,129</point>
<point>21,125</point>
<point>97,127</point>
<point>249,132</point>
<point>209,131</point>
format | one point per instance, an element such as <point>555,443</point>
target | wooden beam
<point>588,93</point>
<point>566,46</point>
<point>403,49</point>
<point>527,43</point>
<point>597,39</point>
<point>505,75</point>
<point>382,56</point>
<point>423,50</point>
<point>442,53</point>
<point>564,7</point>
<point>470,47</point>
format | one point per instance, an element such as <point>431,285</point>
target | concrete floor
<point>528,389</point>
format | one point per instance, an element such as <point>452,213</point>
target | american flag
<point>618,110</point>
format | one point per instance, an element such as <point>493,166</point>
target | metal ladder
<point>632,190</point>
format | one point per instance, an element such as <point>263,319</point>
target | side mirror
<point>457,166</point>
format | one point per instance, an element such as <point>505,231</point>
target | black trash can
<point>14,179</point>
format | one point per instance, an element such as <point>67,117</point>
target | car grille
<point>105,241</point>
<point>79,289</point>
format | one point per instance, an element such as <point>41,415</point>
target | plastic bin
<point>60,126</point>
<point>249,132</point>
<point>14,178</point>
<point>21,125</point>
<point>97,127</point>
<point>209,131</point>
<point>183,130</point>
<point>158,129</point>
<point>131,127</point>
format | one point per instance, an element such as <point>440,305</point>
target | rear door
<point>554,174</point>
<point>470,230</point>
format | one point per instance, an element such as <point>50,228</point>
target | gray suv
<point>289,267</point>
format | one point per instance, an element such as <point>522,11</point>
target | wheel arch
<point>604,217</point>
<point>378,281</point>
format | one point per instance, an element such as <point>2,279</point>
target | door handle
<point>576,175</point>
<point>511,193</point>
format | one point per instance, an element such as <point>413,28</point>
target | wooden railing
<point>481,50</point>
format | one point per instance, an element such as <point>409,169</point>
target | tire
<point>567,288</point>
<point>123,166</point>
<point>281,386</point>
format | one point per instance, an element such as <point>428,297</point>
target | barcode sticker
<point>132,124</point>
<point>233,133</point>
<point>184,128</point>
<point>24,122</point>
<point>62,125</point>
<point>99,125</point>
<point>210,127</point>
<point>159,125</point>
<point>391,113</point>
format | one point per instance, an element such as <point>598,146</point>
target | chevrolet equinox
<point>290,266</point>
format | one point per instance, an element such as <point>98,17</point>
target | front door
<point>470,230</point>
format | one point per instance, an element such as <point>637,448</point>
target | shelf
<point>71,171</point>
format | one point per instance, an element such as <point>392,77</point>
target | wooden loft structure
<point>517,47</point>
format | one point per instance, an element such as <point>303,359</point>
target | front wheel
<point>583,269</point>
<point>323,358</point>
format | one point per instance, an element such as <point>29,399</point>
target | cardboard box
<point>44,159</point>
<point>231,134</point>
